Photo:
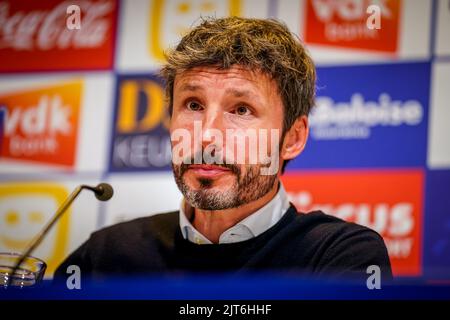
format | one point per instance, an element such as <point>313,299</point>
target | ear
<point>295,139</point>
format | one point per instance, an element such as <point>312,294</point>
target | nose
<point>212,126</point>
<point>213,133</point>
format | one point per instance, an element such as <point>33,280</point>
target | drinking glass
<point>29,274</point>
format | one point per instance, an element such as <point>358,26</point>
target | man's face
<point>219,112</point>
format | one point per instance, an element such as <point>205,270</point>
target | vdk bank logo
<point>24,209</point>
<point>141,139</point>
<point>170,20</point>
<point>374,120</point>
<point>389,202</point>
<point>344,23</point>
<point>41,125</point>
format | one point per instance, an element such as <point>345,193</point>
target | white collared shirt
<point>248,228</point>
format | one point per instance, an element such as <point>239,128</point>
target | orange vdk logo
<point>389,202</point>
<point>343,23</point>
<point>41,125</point>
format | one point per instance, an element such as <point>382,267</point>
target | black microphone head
<point>104,191</point>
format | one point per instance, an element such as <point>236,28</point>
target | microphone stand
<point>102,192</point>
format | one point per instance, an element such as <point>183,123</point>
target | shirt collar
<point>250,227</point>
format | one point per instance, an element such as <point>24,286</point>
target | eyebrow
<point>239,93</point>
<point>235,92</point>
<point>190,87</point>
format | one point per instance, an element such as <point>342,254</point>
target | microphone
<point>102,191</point>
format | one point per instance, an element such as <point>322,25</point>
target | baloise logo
<point>379,118</point>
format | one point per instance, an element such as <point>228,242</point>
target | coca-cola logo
<point>38,35</point>
<point>46,29</point>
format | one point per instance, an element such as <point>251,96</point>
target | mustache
<point>184,166</point>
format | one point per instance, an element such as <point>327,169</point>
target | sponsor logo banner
<point>437,225</point>
<point>24,209</point>
<point>34,35</point>
<point>141,140</point>
<point>171,19</point>
<point>151,27</point>
<point>374,120</point>
<point>343,23</point>
<point>389,202</point>
<point>41,125</point>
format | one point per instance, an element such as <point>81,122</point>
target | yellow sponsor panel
<point>170,19</point>
<point>24,209</point>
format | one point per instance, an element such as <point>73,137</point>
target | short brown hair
<point>267,45</point>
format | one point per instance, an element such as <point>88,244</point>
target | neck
<point>212,223</point>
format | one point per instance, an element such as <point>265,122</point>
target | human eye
<point>242,110</point>
<point>194,106</point>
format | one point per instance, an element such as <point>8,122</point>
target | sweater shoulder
<point>340,245</point>
<point>322,223</point>
<point>129,246</point>
<point>332,230</point>
<point>160,226</point>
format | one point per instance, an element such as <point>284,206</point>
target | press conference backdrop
<point>86,105</point>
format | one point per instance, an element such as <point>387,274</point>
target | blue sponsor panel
<point>437,225</point>
<point>140,137</point>
<point>369,116</point>
<point>2,124</point>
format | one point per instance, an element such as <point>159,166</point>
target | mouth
<point>208,170</point>
<point>14,244</point>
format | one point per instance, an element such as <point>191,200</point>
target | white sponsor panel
<point>92,128</point>
<point>442,45</point>
<point>26,206</point>
<point>439,130</point>
<point>139,195</point>
<point>148,27</point>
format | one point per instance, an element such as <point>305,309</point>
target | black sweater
<point>315,243</point>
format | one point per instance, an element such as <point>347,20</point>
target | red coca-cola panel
<point>40,35</point>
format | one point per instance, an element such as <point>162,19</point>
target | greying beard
<point>248,188</point>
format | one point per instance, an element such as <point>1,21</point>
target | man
<point>229,78</point>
